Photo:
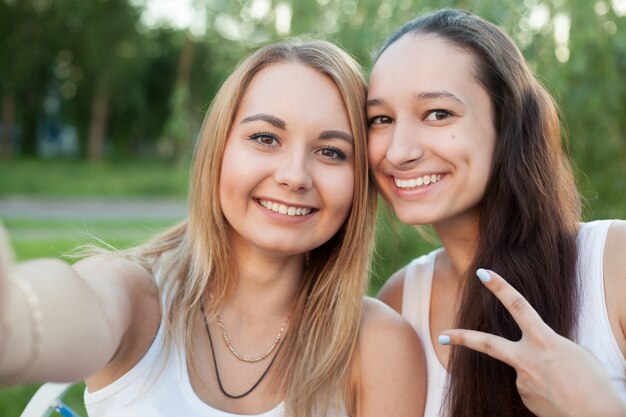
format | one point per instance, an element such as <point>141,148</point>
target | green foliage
<point>76,48</point>
<point>396,245</point>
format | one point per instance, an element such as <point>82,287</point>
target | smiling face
<point>287,180</point>
<point>431,135</point>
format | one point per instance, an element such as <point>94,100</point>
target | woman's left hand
<point>555,376</point>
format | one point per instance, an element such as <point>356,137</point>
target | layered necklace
<point>276,346</point>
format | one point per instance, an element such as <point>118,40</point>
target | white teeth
<point>286,210</point>
<point>417,182</point>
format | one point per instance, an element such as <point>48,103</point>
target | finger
<point>495,346</point>
<point>522,312</point>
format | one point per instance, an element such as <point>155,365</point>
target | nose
<point>405,147</point>
<point>293,172</point>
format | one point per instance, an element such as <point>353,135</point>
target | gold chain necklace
<point>217,371</point>
<point>242,358</point>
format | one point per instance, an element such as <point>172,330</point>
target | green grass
<point>54,238</point>
<point>14,399</point>
<point>67,178</point>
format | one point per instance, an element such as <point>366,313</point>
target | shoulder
<point>392,291</point>
<point>615,246</point>
<point>381,325</point>
<point>391,365</point>
<point>614,267</point>
<point>116,271</point>
<point>615,256</point>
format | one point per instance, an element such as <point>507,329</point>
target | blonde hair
<point>321,343</point>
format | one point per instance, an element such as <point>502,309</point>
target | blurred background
<point>101,102</point>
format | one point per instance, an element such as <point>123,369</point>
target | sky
<point>180,13</point>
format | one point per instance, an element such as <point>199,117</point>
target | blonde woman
<point>254,304</point>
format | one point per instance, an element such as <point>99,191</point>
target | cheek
<point>376,149</point>
<point>226,178</point>
<point>339,192</point>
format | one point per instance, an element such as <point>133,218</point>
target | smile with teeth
<point>283,209</point>
<point>417,182</point>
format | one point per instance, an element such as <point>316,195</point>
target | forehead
<point>424,62</point>
<point>296,91</point>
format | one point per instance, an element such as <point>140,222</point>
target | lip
<point>417,192</point>
<point>412,175</point>
<point>285,218</point>
<point>286,203</point>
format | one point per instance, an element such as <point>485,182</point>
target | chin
<point>416,219</point>
<point>285,248</point>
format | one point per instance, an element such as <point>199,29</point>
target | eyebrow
<point>273,120</point>
<point>418,96</point>
<point>339,134</point>
<point>437,94</point>
<point>374,102</point>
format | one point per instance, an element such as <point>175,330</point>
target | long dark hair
<point>528,216</point>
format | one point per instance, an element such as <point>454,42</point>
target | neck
<point>459,238</point>
<point>267,285</point>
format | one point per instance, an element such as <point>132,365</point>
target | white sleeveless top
<point>158,388</point>
<point>594,329</point>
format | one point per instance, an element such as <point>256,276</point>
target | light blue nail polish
<point>444,339</point>
<point>483,275</point>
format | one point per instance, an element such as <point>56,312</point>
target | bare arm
<point>615,280</point>
<point>392,366</point>
<point>64,323</point>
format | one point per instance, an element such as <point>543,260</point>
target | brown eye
<point>436,115</point>
<point>379,120</point>
<point>264,139</point>
<point>331,152</point>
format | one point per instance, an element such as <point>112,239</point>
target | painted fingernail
<point>483,275</point>
<point>444,339</point>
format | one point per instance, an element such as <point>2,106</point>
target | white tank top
<point>594,329</point>
<point>158,388</point>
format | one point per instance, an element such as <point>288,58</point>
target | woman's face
<point>431,134</point>
<point>287,177</point>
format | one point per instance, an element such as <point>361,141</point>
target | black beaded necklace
<point>217,372</point>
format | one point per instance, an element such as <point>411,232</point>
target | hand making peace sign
<point>555,376</point>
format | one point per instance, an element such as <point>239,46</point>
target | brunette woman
<point>463,137</point>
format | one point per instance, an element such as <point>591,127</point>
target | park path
<point>91,209</point>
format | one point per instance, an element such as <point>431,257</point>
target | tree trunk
<point>29,123</point>
<point>98,123</point>
<point>178,127</point>
<point>8,121</point>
